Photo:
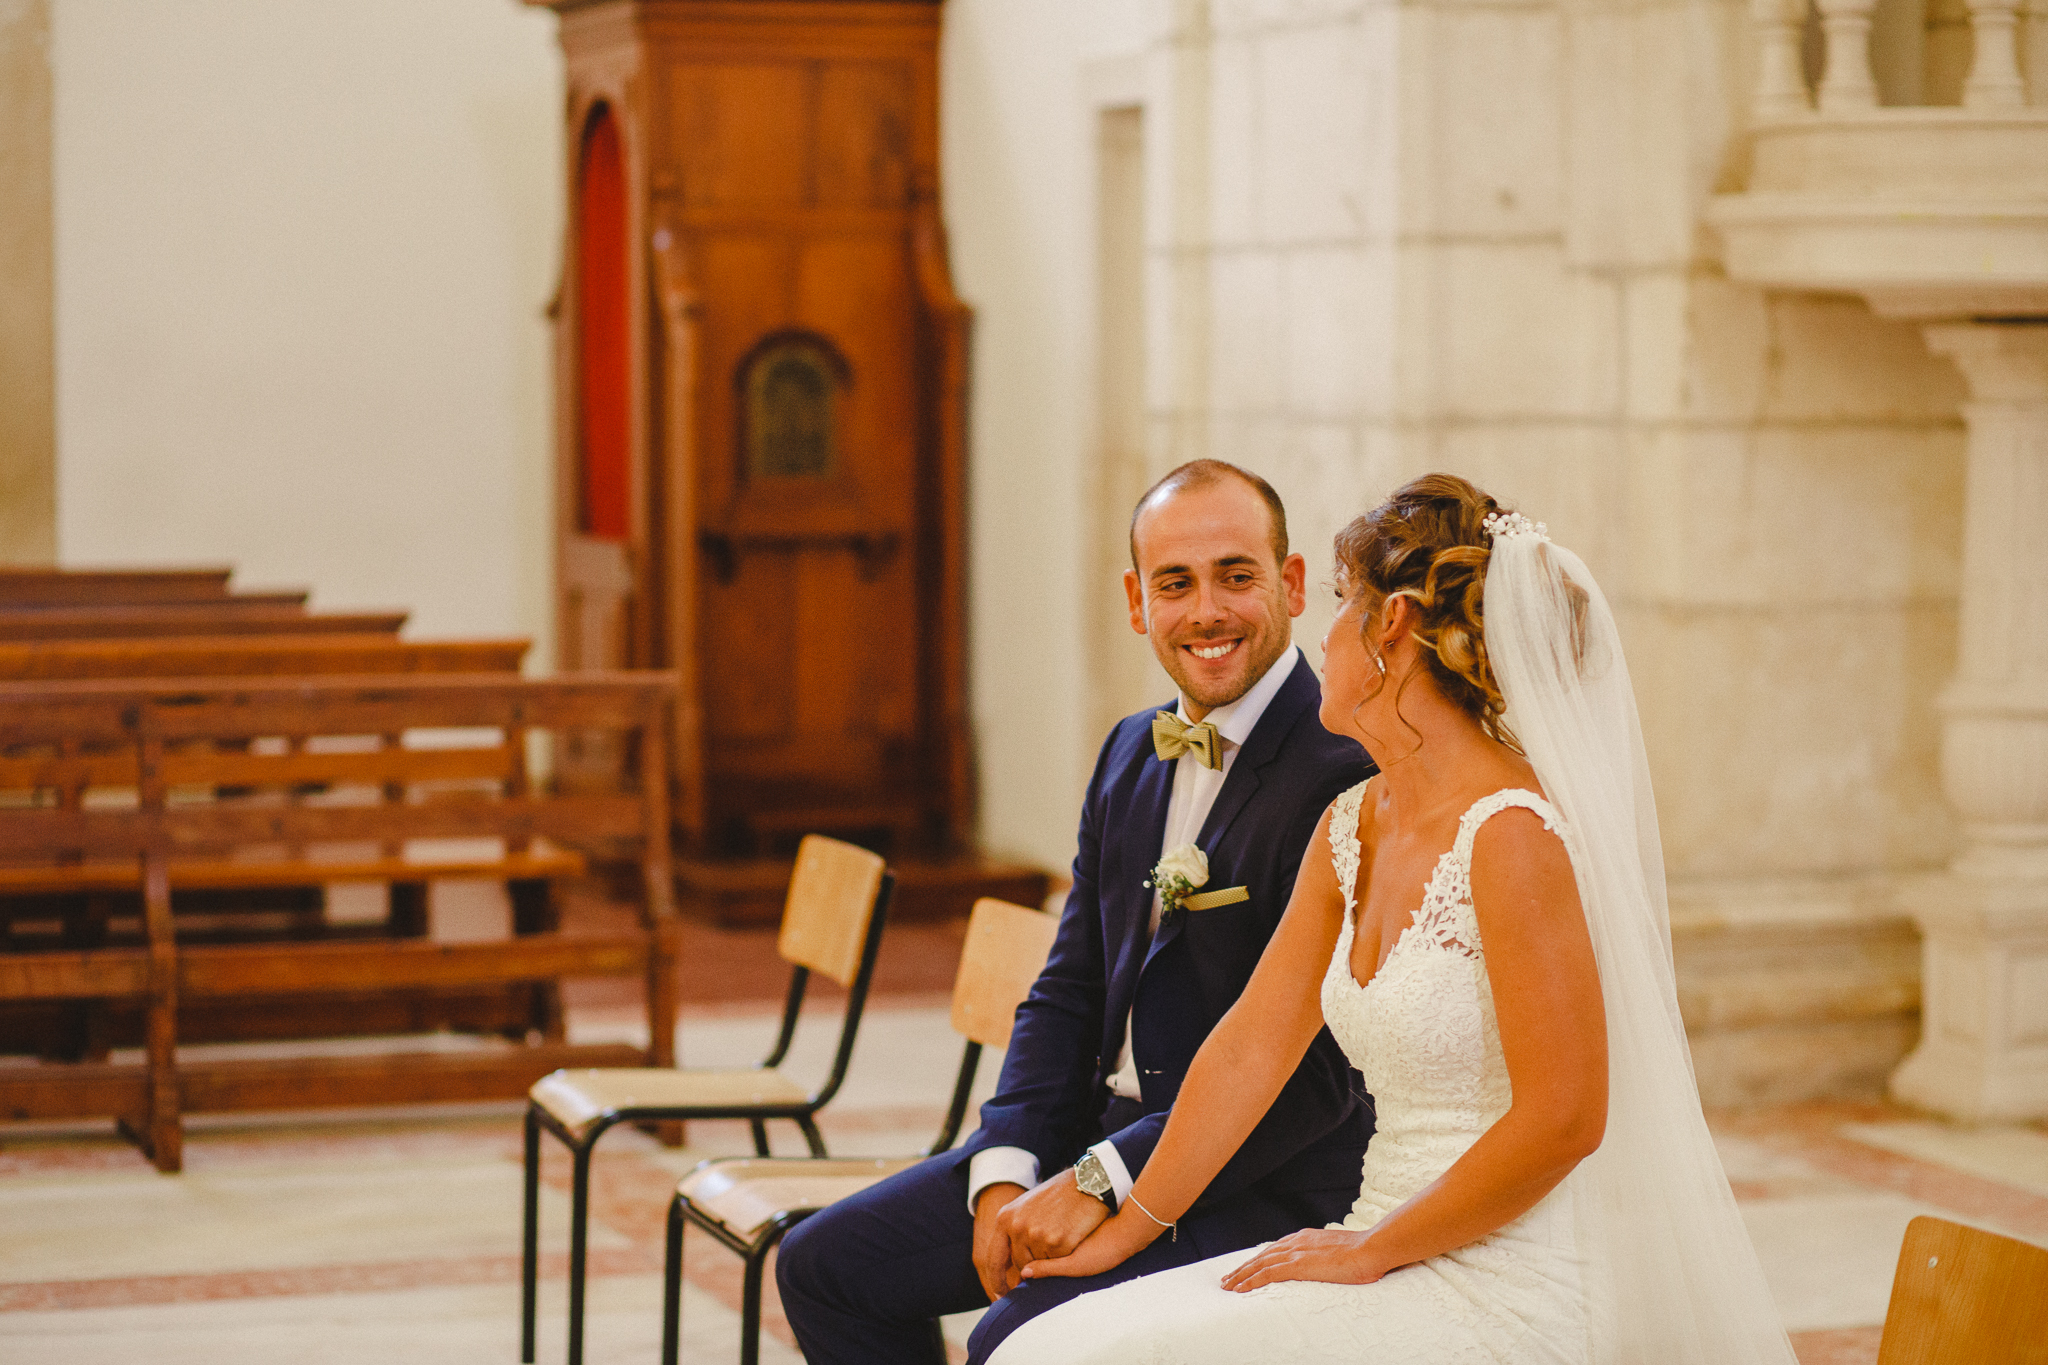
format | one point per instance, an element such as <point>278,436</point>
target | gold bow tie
<point>1172,737</point>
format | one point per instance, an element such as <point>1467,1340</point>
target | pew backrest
<point>96,775</point>
<point>226,616</point>
<point>43,587</point>
<point>223,656</point>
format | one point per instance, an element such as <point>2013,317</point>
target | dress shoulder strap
<point>1344,850</point>
<point>1492,804</point>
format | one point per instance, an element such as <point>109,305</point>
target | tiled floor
<point>395,1237</point>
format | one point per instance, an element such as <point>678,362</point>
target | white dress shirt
<point>1194,793</point>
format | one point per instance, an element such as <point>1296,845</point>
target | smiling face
<point>1209,591</point>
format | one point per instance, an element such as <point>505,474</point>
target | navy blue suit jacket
<point>1178,983</point>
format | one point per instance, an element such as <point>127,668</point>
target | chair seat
<point>577,1099</point>
<point>744,1195</point>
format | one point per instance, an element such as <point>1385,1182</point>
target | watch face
<point>1089,1175</point>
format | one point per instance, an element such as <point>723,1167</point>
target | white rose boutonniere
<point>1179,873</point>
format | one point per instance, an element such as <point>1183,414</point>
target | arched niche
<point>604,418</point>
<point>790,388</point>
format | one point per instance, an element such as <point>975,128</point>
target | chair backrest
<point>1006,949</point>
<point>1963,1296</point>
<point>832,896</point>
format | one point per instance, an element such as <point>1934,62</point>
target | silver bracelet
<point>1173,1227</point>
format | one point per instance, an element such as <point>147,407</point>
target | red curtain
<point>604,418</point>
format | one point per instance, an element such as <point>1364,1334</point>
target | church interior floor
<point>394,1235</point>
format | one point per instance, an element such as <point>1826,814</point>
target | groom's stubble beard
<point>1265,640</point>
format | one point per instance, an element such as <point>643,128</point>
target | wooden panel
<point>858,291</point>
<point>56,976</point>
<point>76,1090</point>
<point>198,874</point>
<point>84,587</point>
<point>262,770</point>
<point>1963,1296</point>
<point>739,132</point>
<point>218,656</point>
<point>571,820</point>
<point>227,617</point>
<point>862,135</point>
<point>396,964</point>
<point>98,832</point>
<point>235,708</point>
<point>750,630</point>
<point>1006,949</point>
<point>404,1078</point>
<point>831,900</point>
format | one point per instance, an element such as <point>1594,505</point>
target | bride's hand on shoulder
<point>1108,1247</point>
<point>1321,1254</point>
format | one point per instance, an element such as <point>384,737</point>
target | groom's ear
<point>1294,578</point>
<point>1135,591</point>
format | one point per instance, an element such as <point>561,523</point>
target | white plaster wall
<point>302,256</point>
<point>1017,172</point>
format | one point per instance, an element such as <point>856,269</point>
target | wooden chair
<point>749,1203</point>
<point>1966,1297</point>
<point>831,924</point>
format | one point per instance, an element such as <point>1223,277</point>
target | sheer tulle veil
<point>1677,1279</point>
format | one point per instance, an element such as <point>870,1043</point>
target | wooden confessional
<point>761,385</point>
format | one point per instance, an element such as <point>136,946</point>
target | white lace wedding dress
<point>1423,1033</point>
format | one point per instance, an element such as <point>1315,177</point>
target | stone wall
<point>1387,238</point>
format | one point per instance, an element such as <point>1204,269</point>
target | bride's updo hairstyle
<point>1429,543</point>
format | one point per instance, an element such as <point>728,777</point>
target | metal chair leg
<point>672,1285</point>
<point>579,1227</point>
<point>750,1306</point>
<point>760,1137</point>
<point>812,1135</point>
<point>529,1269</point>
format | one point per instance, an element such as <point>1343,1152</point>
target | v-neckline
<point>1350,935</point>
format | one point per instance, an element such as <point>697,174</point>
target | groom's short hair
<point>1202,474</point>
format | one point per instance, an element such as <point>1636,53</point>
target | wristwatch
<point>1091,1177</point>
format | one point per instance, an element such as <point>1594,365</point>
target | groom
<point>1242,768</point>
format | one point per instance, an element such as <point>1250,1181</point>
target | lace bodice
<point>1422,1031</point>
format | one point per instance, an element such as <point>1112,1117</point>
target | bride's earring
<point>1381,664</point>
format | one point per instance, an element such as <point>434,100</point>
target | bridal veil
<point>1677,1279</point>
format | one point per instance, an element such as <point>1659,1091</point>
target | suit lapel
<point>1149,799</point>
<point>1261,747</point>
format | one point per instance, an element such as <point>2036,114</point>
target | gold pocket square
<point>1209,900</point>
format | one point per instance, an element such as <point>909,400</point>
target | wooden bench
<point>226,616</point>
<point>238,783</point>
<point>86,1029</point>
<point>49,587</point>
<point>221,656</point>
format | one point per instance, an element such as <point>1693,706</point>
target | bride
<point>1483,927</point>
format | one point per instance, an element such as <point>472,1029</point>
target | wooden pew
<point>226,616</point>
<point>218,656</point>
<point>75,1030</point>
<point>46,587</point>
<point>263,740</point>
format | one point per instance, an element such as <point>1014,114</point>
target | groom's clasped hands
<point>1014,1227</point>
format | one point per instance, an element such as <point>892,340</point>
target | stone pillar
<point>1983,1052</point>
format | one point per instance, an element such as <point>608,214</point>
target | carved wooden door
<point>795,187</point>
<point>794,387</point>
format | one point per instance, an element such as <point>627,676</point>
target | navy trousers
<point>862,1280</point>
